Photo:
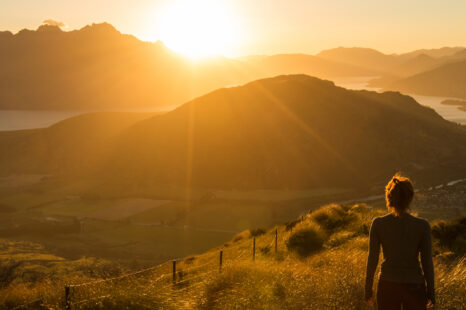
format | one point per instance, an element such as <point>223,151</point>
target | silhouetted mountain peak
<point>6,34</point>
<point>352,51</point>
<point>101,28</point>
<point>293,79</point>
<point>49,28</point>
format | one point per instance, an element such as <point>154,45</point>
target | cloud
<point>52,22</point>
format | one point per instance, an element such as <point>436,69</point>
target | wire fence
<point>164,282</point>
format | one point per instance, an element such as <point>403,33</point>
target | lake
<point>16,120</point>
<point>448,112</point>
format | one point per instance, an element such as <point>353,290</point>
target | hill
<point>77,144</point>
<point>98,68</point>
<point>365,57</point>
<point>448,80</point>
<point>304,64</point>
<point>289,132</point>
<point>314,262</point>
<point>394,65</point>
<point>434,52</point>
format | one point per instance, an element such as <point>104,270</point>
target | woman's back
<point>402,238</point>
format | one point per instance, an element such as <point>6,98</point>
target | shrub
<point>450,234</point>
<point>338,239</point>
<point>306,240</point>
<point>289,225</point>
<point>257,232</point>
<point>240,236</point>
<point>359,208</point>
<point>330,217</point>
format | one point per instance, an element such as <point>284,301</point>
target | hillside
<point>316,262</point>
<point>304,64</point>
<point>364,57</point>
<point>289,132</point>
<point>98,68</point>
<point>297,132</point>
<point>77,144</point>
<point>448,80</point>
<point>435,52</point>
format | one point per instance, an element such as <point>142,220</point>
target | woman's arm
<point>427,264</point>
<point>372,259</point>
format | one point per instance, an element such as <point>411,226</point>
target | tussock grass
<point>319,264</point>
<point>307,238</point>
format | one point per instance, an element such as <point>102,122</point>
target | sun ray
<point>306,128</point>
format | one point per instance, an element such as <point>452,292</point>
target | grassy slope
<point>447,81</point>
<point>330,277</point>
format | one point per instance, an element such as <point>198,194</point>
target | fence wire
<point>166,287</point>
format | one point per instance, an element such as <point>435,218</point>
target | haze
<point>181,154</point>
<point>270,27</point>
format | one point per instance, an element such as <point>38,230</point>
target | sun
<point>198,29</point>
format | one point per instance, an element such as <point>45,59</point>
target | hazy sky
<point>270,26</point>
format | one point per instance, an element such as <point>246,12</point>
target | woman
<point>402,236</point>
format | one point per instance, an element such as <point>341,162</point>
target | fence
<point>181,276</point>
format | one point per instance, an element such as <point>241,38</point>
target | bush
<point>305,241</point>
<point>338,239</point>
<point>359,208</point>
<point>289,225</point>
<point>257,232</point>
<point>240,236</point>
<point>330,217</point>
<point>450,234</point>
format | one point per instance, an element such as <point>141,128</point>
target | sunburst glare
<point>198,28</point>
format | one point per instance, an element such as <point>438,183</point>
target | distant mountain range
<point>98,68</point>
<point>448,80</point>
<point>291,131</point>
<point>395,65</point>
<point>436,72</point>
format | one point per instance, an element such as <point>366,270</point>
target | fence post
<point>67,298</point>
<point>254,249</point>
<point>221,261</point>
<point>174,271</point>
<point>276,240</point>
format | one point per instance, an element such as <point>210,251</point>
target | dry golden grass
<point>331,278</point>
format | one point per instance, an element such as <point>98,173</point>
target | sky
<point>245,27</point>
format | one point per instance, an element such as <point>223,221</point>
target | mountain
<point>98,68</point>
<point>448,80</point>
<point>285,132</point>
<point>396,65</point>
<point>289,132</point>
<point>80,143</point>
<point>303,64</point>
<point>91,68</point>
<point>433,52</point>
<point>367,58</point>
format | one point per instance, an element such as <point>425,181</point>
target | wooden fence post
<point>276,240</point>
<point>221,261</point>
<point>174,271</point>
<point>254,249</point>
<point>67,298</point>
